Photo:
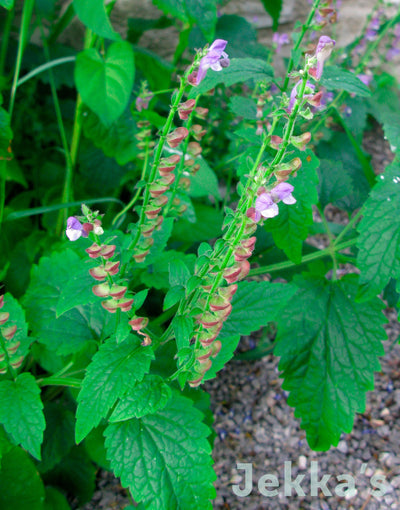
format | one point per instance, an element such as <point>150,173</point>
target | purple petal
<point>74,229</point>
<point>271,211</point>
<point>282,191</point>
<point>217,47</point>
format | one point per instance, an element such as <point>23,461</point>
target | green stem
<point>45,67</point>
<point>304,29</point>
<point>23,39</point>
<point>350,225</point>
<point>331,241</point>
<point>327,252</point>
<point>59,381</point>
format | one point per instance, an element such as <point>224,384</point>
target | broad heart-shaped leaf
<point>290,227</point>
<point>379,242</point>
<point>254,305</point>
<point>146,397</point>
<point>20,484</point>
<point>329,347</point>
<point>204,182</point>
<point>334,183</point>
<point>239,71</point>
<point>68,333</point>
<point>273,7</point>
<point>335,78</point>
<point>164,458</point>
<point>114,370</point>
<point>105,84</point>
<point>21,412</point>
<point>94,16</point>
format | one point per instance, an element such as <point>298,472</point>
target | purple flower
<point>324,49</point>
<point>216,58</point>
<point>392,53</point>
<point>75,229</point>
<point>365,78</point>
<point>279,40</point>
<point>142,102</point>
<point>266,203</point>
<point>293,94</point>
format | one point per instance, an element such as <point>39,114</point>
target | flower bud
<point>112,268</point>
<point>17,363</point>
<point>194,149</point>
<point>160,201</point>
<point>186,108</point>
<point>93,251</point>
<point>107,251</point>
<point>151,212</point>
<point>216,347</point>
<point>1,301</point>
<point>184,183</point>
<point>138,323</point>
<point>275,141</point>
<point>208,320</point>
<point>228,292</point>
<point>4,316</point>
<point>157,189</point>
<point>9,332</point>
<point>176,137</point>
<point>101,290</point>
<point>301,141</point>
<point>12,347</point>
<point>125,305</point>
<point>203,367</point>
<point>249,243</point>
<point>167,180</point>
<point>194,383</point>
<point>201,113</point>
<point>140,256</point>
<point>242,253</point>
<point>110,305</point>
<point>118,291</point>
<point>147,229</point>
<point>198,132</point>
<point>231,274</point>
<point>218,303</point>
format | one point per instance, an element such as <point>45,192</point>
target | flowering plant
<point>176,206</point>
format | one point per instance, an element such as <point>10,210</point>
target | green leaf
<point>204,182</point>
<point>94,446</point>
<point>73,329</point>
<point>21,412</point>
<point>77,291</point>
<point>94,16</point>
<point>335,78</point>
<point>334,182</point>
<point>183,328</point>
<point>116,141</point>
<point>174,295</point>
<point>157,274</point>
<point>161,238</point>
<point>329,352</point>
<point>75,474</point>
<point>273,7</point>
<point>20,484</point>
<point>6,134</point>
<point>175,8</point>
<point>379,242</point>
<point>55,500</point>
<point>155,69</point>
<point>243,107</point>
<point>105,84</point>
<point>146,397</point>
<point>179,273</point>
<point>58,436</point>
<point>204,14</point>
<point>255,304</point>
<point>290,227</point>
<point>208,225</point>
<point>239,71</point>
<point>115,368</point>
<point>164,458</point>
<point>7,4</point>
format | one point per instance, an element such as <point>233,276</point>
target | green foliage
<point>114,370</point>
<point>335,78</point>
<point>7,4</point>
<point>273,7</point>
<point>105,84</point>
<point>329,353</point>
<point>21,412</point>
<point>164,457</point>
<point>239,71</point>
<point>94,16</point>
<point>334,184</point>
<point>379,242</point>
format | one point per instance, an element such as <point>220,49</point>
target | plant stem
<point>350,225</point>
<point>304,29</point>
<point>5,39</point>
<point>45,67</point>
<point>23,39</point>
<point>331,242</point>
<point>59,381</point>
<point>327,252</point>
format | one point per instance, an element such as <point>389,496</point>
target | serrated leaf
<point>77,290</point>
<point>16,318</point>
<point>174,295</point>
<point>239,71</point>
<point>115,368</point>
<point>379,243</point>
<point>146,397</point>
<point>273,7</point>
<point>334,183</point>
<point>204,182</point>
<point>164,458</point>
<point>208,225</point>
<point>183,328</point>
<point>336,78</point>
<point>329,352</point>
<point>73,329</point>
<point>20,484</point>
<point>290,227</point>
<point>105,84</point>
<point>254,305</point>
<point>21,412</point>
<point>157,274</point>
<point>94,16</point>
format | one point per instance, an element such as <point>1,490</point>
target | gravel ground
<point>255,426</point>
